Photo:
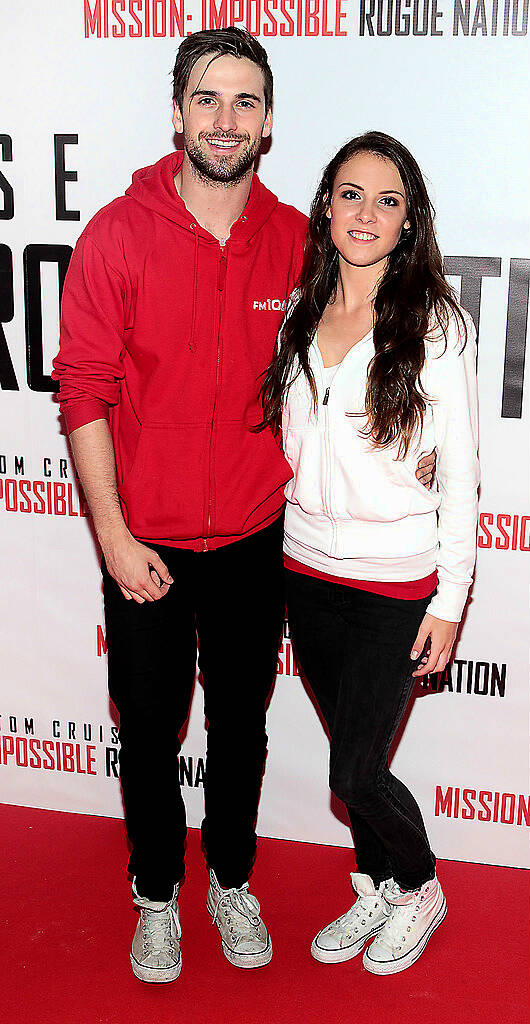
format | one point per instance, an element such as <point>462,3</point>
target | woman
<point>376,362</point>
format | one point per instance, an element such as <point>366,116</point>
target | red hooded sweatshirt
<point>166,334</point>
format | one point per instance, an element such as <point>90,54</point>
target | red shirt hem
<point>412,590</point>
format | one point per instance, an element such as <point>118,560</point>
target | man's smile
<point>224,144</point>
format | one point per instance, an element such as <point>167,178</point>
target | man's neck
<point>215,205</point>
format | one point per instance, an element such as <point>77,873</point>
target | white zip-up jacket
<point>357,511</point>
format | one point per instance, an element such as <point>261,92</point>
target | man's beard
<point>226,170</point>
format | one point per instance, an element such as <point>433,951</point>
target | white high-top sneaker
<point>344,938</point>
<point>155,950</point>
<point>414,917</point>
<point>245,939</point>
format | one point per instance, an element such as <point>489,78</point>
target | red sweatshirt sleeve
<point>298,252</point>
<point>89,364</point>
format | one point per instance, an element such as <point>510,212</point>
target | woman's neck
<point>357,286</point>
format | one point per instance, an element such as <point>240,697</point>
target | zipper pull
<point>221,277</point>
<point>326,397</point>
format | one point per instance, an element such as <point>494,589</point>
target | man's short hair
<point>235,42</point>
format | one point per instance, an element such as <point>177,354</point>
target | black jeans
<point>354,648</point>
<point>233,601</point>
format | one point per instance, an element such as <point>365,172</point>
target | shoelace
<point>243,903</point>
<point>157,929</point>
<point>401,920</point>
<point>363,907</point>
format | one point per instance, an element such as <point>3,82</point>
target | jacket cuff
<point>77,412</point>
<point>449,601</point>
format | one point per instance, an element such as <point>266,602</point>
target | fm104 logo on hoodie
<point>269,304</point>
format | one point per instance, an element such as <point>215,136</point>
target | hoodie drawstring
<point>191,343</point>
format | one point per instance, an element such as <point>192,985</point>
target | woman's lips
<point>364,237</point>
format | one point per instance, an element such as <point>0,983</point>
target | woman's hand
<point>441,636</point>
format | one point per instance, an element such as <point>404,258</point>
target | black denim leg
<point>354,648</point>
<point>151,654</point>
<point>241,606</point>
<point>234,598</point>
<point>319,634</point>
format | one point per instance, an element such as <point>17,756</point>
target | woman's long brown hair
<point>412,296</point>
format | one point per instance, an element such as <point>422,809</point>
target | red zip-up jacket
<point>166,334</point>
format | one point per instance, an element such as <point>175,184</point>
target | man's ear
<point>267,124</point>
<point>178,123</point>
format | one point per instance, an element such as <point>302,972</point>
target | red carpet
<point>68,922</point>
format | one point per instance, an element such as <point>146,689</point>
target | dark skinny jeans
<point>232,601</point>
<point>354,649</point>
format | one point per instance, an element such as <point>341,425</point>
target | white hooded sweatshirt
<point>358,512</point>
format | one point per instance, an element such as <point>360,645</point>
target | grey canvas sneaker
<point>155,950</point>
<point>345,938</point>
<point>245,939</point>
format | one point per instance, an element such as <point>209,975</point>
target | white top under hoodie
<point>359,512</point>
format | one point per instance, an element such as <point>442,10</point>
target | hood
<point>154,188</point>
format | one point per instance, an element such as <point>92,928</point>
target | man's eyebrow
<point>384,192</point>
<point>239,95</point>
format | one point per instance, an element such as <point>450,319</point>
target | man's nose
<point>225,118</point>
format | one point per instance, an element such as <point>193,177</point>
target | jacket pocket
<point>250,472</point>
<point>304,449</point>
<point>163,490</point>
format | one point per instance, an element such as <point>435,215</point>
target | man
<point>170,311</point>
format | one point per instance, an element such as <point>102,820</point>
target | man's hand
<point>441,635</point>
<point>139,572</point>
<point>426,469</point>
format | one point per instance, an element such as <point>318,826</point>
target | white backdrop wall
<point>85,99</point>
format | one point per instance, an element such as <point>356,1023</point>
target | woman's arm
<point>452,384</point>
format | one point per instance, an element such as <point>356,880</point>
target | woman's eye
<point>350,194</point>
<point>389,201</point>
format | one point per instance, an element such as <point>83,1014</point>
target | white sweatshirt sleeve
<point>451,381</point>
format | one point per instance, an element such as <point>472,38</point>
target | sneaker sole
<point>339,956</point>
<point>248,960</point>
<point>394,966</point>
<point>160,975</point>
